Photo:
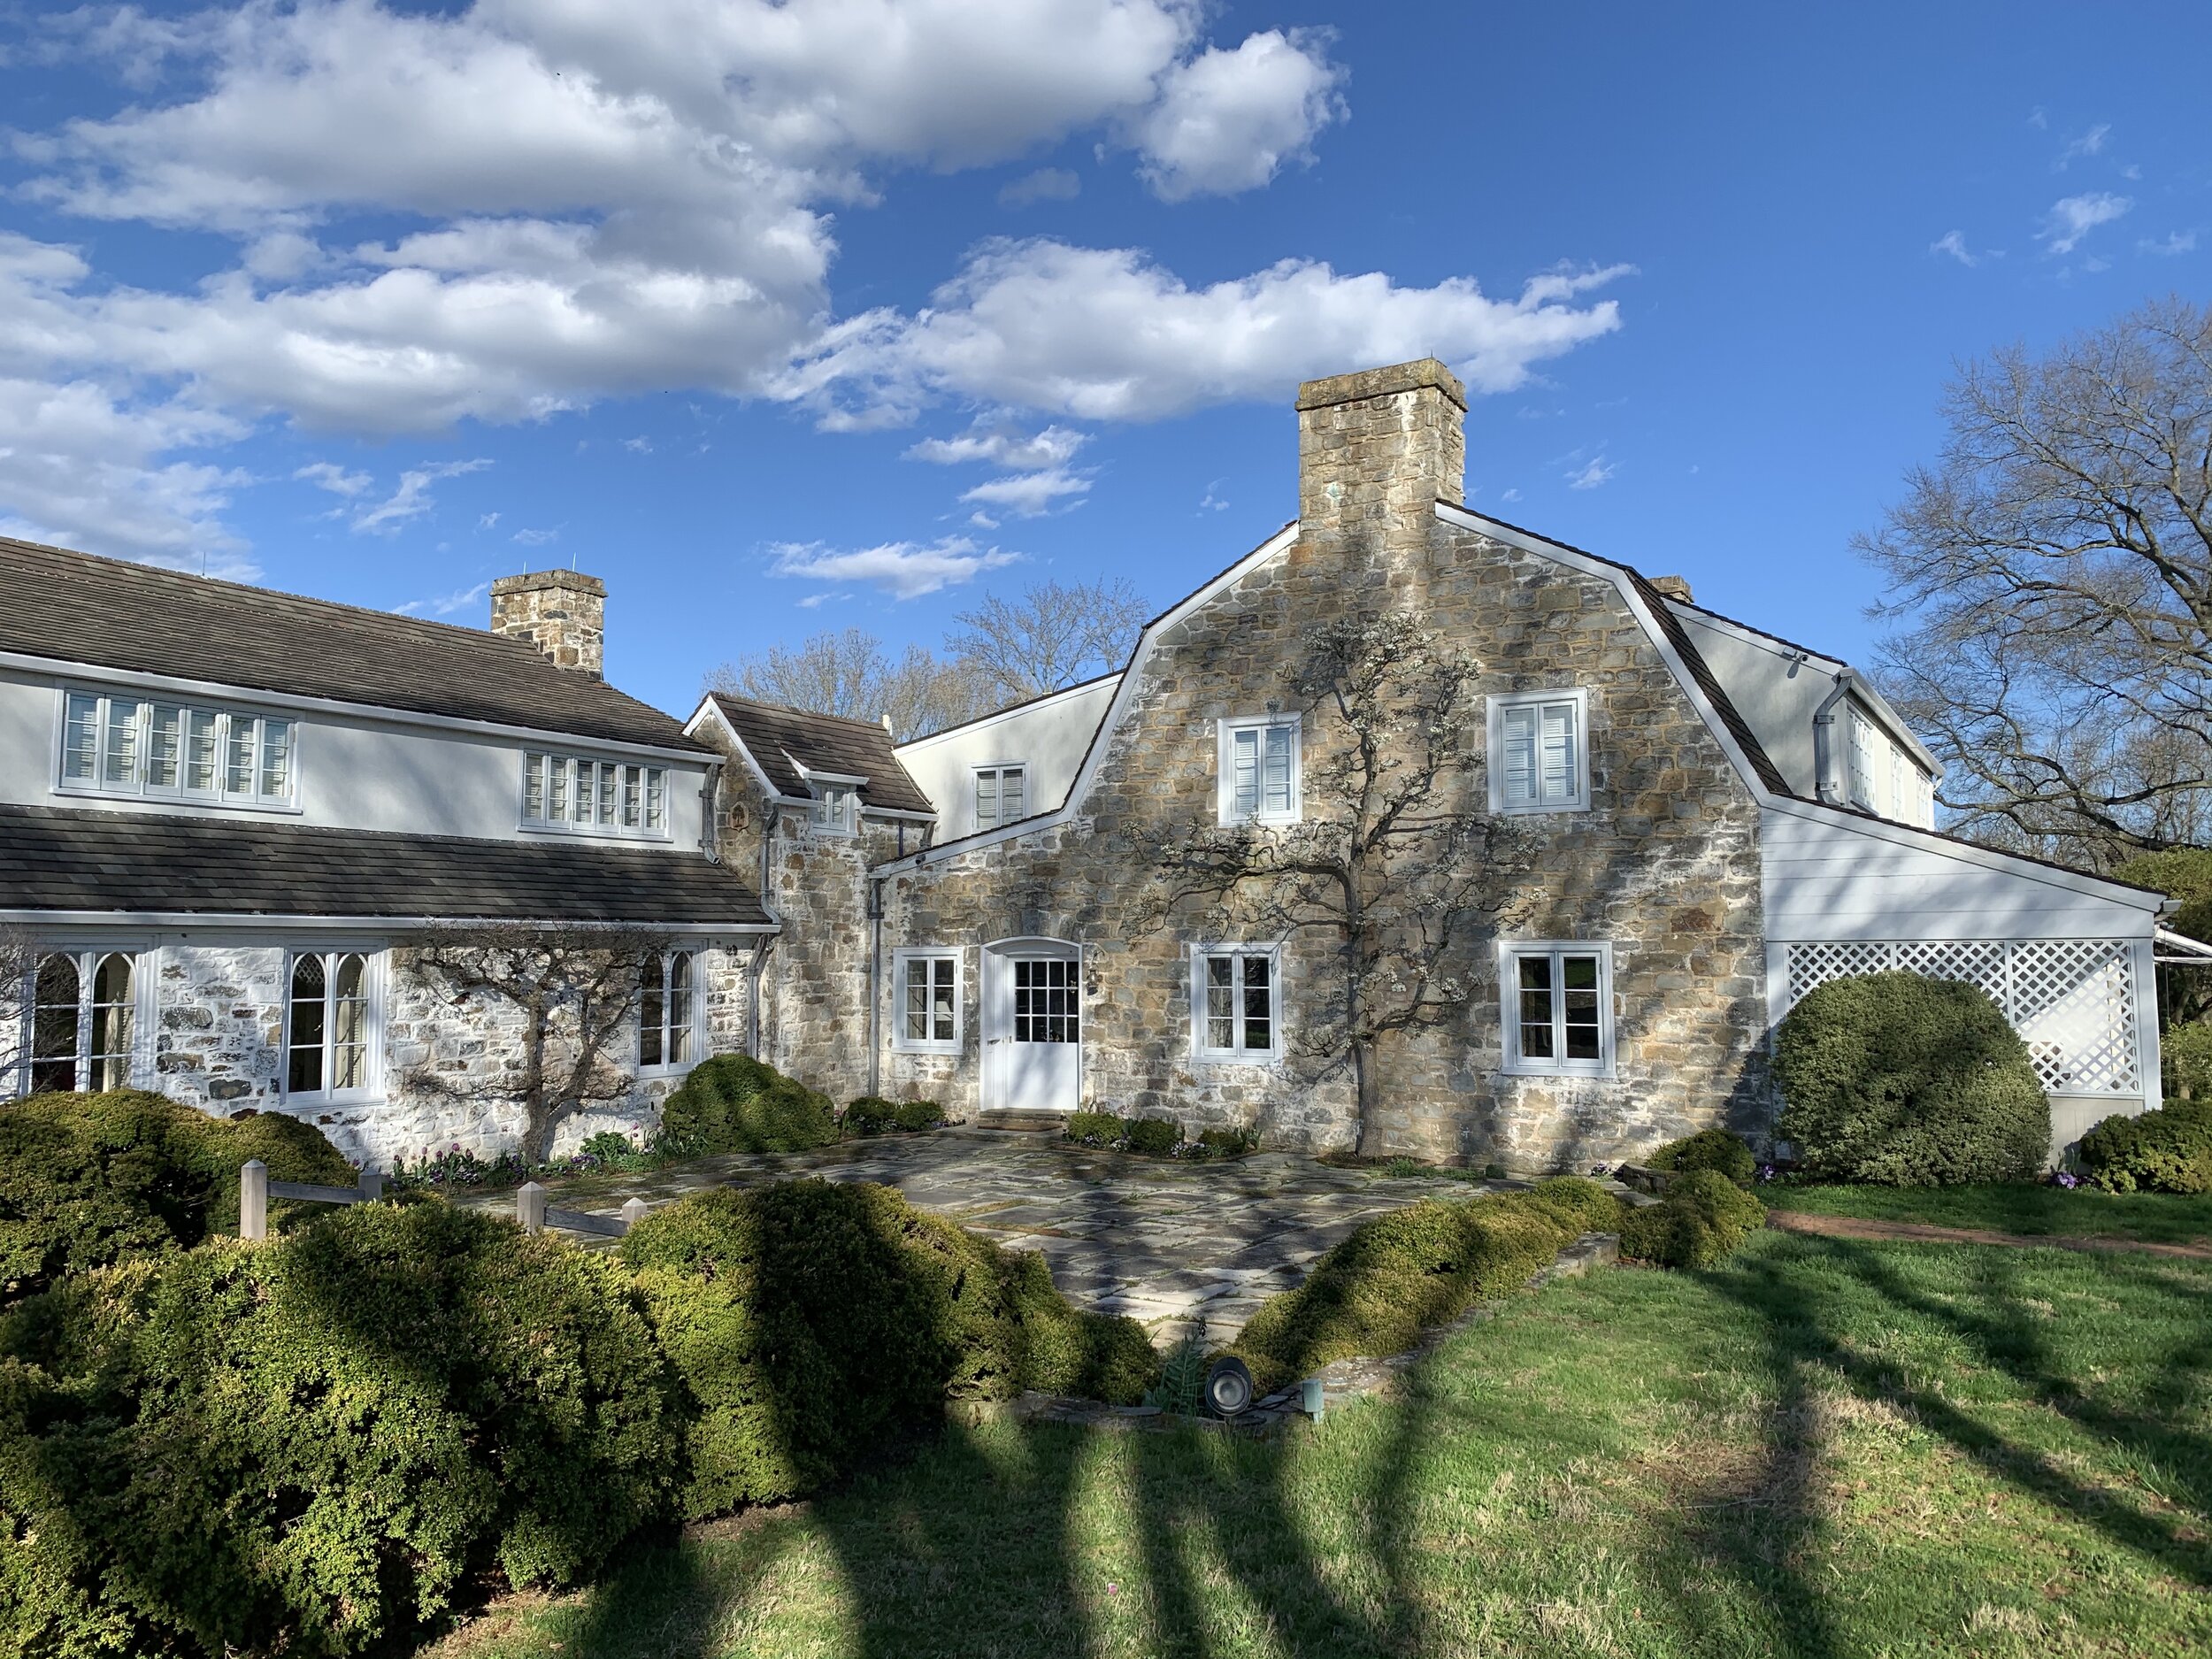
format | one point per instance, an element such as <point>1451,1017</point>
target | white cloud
<point>1591,474</point>
<point>330,476</point>
<point>1047,184</point>
<point>445,604</point>
<point>1511,495</point>
<point>1054,446</point>
<point>638,446</point>
<point>905,569</point>
<point>1227,121</point>
<point>1029,495</point>
<point>485,521</point>
<point>412,497</point>
<point>2090,143</point>
<point>1952,244</point>
<point>535,538</point>
<point>1107,335</point>
<point>2075,216</point>
<point>2178,241</point>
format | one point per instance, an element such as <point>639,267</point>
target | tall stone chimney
<point>1378,448</point>
<point>561,612</point>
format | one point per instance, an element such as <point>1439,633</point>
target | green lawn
<point>2157,1218</point>
<point>1824,1448</point>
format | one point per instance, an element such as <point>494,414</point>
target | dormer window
<point>594,797</point>
<point>115,743</point>
<point>1000,796</point>
<point>831,810</point>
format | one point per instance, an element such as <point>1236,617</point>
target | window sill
<point>661,1073</point>
<point>202,802</point>
<point>326,1102</point>
<point>1238,1056</point>
<point>1592,1074</point>
<point>588,832</point>
<point>1542,811</point>
<point>954,1049</point>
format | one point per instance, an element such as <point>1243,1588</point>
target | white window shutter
<point>1276,802</point>
<point>1556,778</point>
<point>1518,762</point>
<point>1245,800</point>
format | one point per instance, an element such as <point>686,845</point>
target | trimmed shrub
<point>918,1114</point>
<point>1703,1218</point>
<point>2182,873</point>
<point>1096,1129</point>
<point>1153,1137</point>
<point>872,1115</point>
<point>1707,1149</point>
<point>2185,1054</point>
<point>308,1447</point>
<point>1421,1265</point>
<point>1227,1143</point>
<point>1893,1078</point>
<point>808,1321</point>
<point>2168,1150</point>
<point>735,1103</point>
<point>87,1180</point>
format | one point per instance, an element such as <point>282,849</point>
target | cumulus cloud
<point>1105,334</point>
<point>2090,143</point>
<point>905,569</point>
<point>1001,445</point>
<point>1592,473</point>
<point>1952,244</point>
<point>1047,184</point>
<point>412,497</point>
<point>1029,495</point>
<point>2178,241</point>
<point>330,476</point>
<point>443,605</point>
<point>2075,217</point>
<point>1227,121</point>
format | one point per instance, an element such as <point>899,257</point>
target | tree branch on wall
<point>568,995</point>
<point>2052,579</point>
<point>1394,856</point>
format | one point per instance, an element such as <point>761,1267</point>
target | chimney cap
<point>1420,374</point>
<point>535,581</point>
<point>1674,587</point>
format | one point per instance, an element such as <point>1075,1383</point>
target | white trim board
<point>966,727</point>
<point>249,921</point>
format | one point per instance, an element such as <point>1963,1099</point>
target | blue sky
<point>844,313</point>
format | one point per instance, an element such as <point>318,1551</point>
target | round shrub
<point>1096,1129</point>
<point>1153,1137</point>
<point>808,1321</point>
<point>308,1446</point>
<point>918,1114</point>
<point>735,1103</point>
<point>1703,1219</point>
<point>1904,1081</point>
<point>1707,1149</point>
<point>1227,1143</point>
<point>2168,1150</point>
<point>872,1115</point>
<point>90,1179</point>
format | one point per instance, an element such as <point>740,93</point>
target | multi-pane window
<point>604,796</point>
<point>1045,997</point>
<point>1259,770</point>
<point>1237,998</point>
<point>1540,761</point>
<point>1000,796</point>
<point>83,1020</point>
<point>831,812</point>
<point>1862,752</point>
<point>1558,1008</point>
<point>928,986</point>
<point>668,1009</point>
<point>327,1023</point>
<point>119,744</point>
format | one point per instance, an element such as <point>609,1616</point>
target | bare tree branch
<point>850,673</point>
<point>1054,636</point>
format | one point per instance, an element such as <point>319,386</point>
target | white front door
<point>1032,1038</point>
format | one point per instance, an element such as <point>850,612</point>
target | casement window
<point>1237,1003</point>
<point>601,798</point>
<point>1557,1008</point>
<point>330,1022</point>
<point>1259,765</point>
<point>84,1020</point>
<point>927,985</point>
<point>832,811</point>
<point>1539,752</point>
<point>1861,762</point>
<point>115,743</point>
<point>1001,796</point>
<point>668,1011</point>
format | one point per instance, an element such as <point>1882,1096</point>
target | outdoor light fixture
<point>1228,1387</point>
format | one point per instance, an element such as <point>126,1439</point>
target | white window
<point>330,1022</point>
<point>1001,796</point>
<point>1557,1003</point>
<point>1237,1003</point>
<point>602,797</point>
<point>115,743</point>
<point>84,1020</point>
<point>668,1011</point>
<point>1540,753</point>
<point>1259,770</point>
<point>928,990</point>
<point>1861,759</point>
<point>831,812</point>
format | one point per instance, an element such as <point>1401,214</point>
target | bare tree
<point>567,995</point>
<point>18,963</point>
<point>1055,635</point>
<point>852,674</point>
<point>2053,582</point>
<point>1391,856</point>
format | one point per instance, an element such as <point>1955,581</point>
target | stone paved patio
<point>1166,1243</point>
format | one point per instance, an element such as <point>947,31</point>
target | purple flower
<point>1766,1172</point>
<point>1600,1169</point>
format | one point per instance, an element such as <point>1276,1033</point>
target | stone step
<point>1027,1122</point>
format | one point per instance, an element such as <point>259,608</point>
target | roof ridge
<point>790,708</point>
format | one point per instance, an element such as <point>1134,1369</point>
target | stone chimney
<point>561,612</point>
<point>1378,448</point>
<point>1674,587</point>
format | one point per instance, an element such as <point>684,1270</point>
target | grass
<point>1825,1447</point>
<point>2152,1217</point>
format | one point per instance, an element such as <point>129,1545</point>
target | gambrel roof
<point>80,608</point>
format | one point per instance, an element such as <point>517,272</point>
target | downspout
<point>875,991</point>
<point>1825,782</point>
<point>768,821</point>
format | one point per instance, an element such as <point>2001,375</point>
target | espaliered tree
<point>1395,855</point>
<point>567,994</point>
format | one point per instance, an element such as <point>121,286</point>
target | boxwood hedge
<point>1703,1218</point>
<point>2168,1150</point>
<point>1707,1149</point>
<point>733,1102</point>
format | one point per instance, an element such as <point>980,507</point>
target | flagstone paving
<point>1169,1244</point>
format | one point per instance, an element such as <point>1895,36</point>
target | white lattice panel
<point>2071,1000</point>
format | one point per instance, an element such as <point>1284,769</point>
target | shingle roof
<point>77,607</point>
<point>68,859</point>
<point>781,739</point>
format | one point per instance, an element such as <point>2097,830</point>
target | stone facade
<point>561,612</point>
<point>1664,866</point>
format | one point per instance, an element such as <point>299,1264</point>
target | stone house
<point>225,813</point>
